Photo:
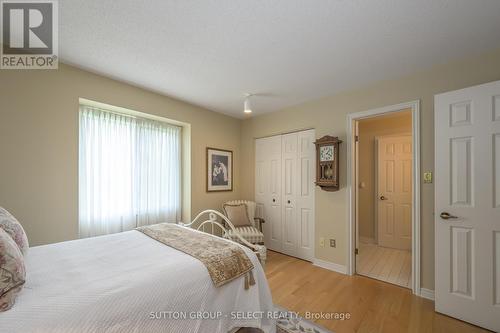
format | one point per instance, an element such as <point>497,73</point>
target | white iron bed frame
<point>91,280</point>
<point>213,223</point>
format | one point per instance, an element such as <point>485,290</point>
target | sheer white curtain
<point>129,172</point>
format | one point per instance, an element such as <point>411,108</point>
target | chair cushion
<point>12,227</point>
<point>249,233</point>
<point>12,271</point>
<point>251,205</point>
<point>237,214</point>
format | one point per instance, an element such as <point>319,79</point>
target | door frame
<point>352,119</point>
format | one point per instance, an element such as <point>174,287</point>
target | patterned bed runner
<point>224,260</point>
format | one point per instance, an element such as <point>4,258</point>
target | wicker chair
<point>251,233</point>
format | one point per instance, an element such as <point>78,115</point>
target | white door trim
<point>352,188</point>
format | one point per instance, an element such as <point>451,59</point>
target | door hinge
<point>356,251</point>
<point>356,138</point>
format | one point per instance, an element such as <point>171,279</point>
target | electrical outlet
<point>322,241</point>
<point>333,243</point>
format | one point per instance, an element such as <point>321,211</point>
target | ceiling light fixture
<point>247,108</point>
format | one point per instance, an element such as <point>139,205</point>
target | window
<point>129,172</point>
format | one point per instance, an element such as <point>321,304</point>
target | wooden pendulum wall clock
<point>327,163</point>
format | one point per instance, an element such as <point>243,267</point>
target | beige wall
<point>39,144</point>
<point>328,116</point>
<point>369,129</point>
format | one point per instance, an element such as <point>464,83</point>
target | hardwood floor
<point>374,306</point>
<point>385,264</point>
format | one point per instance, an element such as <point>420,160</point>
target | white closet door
<point>306,166</point>
<point>284,192</point>
<point>268,189</point>
<point>289,190</point>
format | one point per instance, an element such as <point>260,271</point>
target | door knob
<point>383,198</point>
<point>274,200</point>
<point>288,201</point>
<point>447,216</point>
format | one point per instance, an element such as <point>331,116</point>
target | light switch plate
<point>428,177</point>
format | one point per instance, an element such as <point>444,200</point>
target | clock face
<point>326,153</point>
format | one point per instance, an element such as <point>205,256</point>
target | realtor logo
<point>29,34</point>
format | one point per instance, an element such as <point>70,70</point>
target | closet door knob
<point>288,201</point>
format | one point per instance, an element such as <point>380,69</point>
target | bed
<point>128,282</point>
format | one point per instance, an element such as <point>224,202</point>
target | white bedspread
<point>117,283</point>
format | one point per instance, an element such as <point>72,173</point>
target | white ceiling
<point>210,53</point>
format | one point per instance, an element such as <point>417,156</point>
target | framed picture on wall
<point>219,170</point>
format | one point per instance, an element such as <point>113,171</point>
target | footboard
<point>212,224</point>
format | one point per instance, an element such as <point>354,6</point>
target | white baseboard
<point>330,266</point>
<point>367,240</point>
<point>427,293</point>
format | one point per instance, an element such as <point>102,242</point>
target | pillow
<point>12,271</point>
<point>237,214</point>
<point>11,226</point>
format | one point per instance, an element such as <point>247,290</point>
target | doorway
<point>383,191</point>
<point>385,198</point>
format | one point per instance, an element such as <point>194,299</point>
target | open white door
<point>467,204</point>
